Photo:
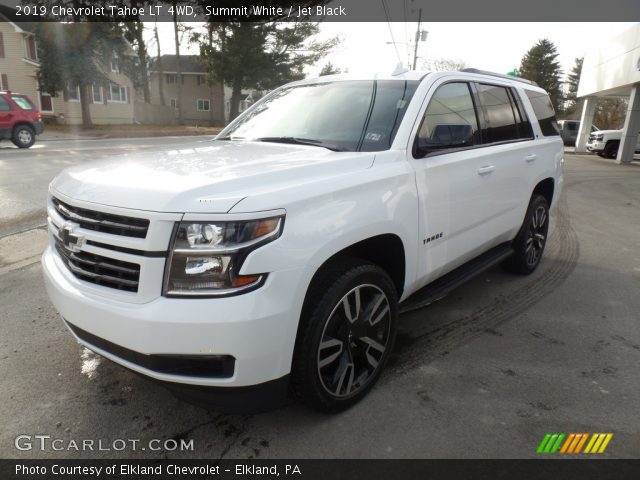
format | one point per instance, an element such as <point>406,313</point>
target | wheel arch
<point>545,188</point>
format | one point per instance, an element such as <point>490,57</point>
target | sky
<point>497,47</point>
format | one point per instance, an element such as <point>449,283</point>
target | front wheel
<point>23,136</point>
<point>611,149</point>
<point>532,238</point>
<point>346,335</point>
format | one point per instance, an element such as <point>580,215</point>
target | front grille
<point>104,271</point>
<point>102,222</point>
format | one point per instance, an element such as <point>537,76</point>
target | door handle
<point>486,169</point>
<point>531,157</point>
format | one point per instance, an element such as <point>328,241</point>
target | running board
<point>452,280</point>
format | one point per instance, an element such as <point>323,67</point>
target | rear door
<point>508,143</point>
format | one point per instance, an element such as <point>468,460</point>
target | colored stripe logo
<point>574,443</point>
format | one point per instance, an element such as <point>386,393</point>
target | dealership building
<point>613,69</point>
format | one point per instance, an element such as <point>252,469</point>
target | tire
<point>23,136</point>
<point>531,239</point>
<point>611,149</point>
<point>340,349</point>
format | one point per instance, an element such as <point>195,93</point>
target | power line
<point>393,40</point>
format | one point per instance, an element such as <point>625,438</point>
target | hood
<point>210,179</point>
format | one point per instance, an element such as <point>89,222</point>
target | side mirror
<point>445,136</point>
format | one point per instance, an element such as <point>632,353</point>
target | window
<point>174,103</point>
<point>203,105</point>
<point>117,93</point>
<point>200,80</point>
<point>335,114</point>
<point>500,120</point>
<point>96,92</point>
<point>572,126</point>
<point>22,102</point>
<point>115,65</point>
<point>46,102</point>
<point>1,46</point>
<point>522,121</point>
<point>450,121</point>
<point>173,78</point>
<point>4,105</point>
<point>32,51</point>
<point>73,93</point>
<point>543,108</point>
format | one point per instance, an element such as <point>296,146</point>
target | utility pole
<point>415,51</point>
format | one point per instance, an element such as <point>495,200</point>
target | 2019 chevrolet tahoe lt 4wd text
<point>276,258</point>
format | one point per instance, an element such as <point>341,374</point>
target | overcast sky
<point>498,47</point>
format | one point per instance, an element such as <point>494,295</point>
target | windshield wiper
<point>302,141</point>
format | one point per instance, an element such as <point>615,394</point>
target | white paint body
<point>331,201</point>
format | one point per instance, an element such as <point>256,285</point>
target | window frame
<point>93,94</point>
<point>474,101</point>
<point>208,109</point>
<point>121,88</point>
<point>173,103</point>
<point>480,117</point>
<point>77,90</point>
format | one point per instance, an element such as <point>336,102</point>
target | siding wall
<point>20,74</point>
<point>191,92</point>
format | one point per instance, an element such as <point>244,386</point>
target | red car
<point>20,120</point>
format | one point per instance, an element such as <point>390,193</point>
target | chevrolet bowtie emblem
<point>70,240</point>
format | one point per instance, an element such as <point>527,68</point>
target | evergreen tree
<point>541,65</point>
<point>329,69</point>
<point>572,87</point>
<point>261,54</point>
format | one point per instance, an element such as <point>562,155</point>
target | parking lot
<point>485,372</point>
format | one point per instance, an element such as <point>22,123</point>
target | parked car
<point>569,131</point>
<point>20,120</point>
<point>277,258</point>
<point>606,143</point>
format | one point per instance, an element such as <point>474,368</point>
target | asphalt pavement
<point>484,373</point>
<point>26,173</point>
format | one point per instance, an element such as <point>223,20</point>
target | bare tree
<point>610,112</point>
<point>443,64</point>
<point>159,66</point>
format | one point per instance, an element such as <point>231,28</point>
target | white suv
<point>277,257</point>
<point>607,142</point>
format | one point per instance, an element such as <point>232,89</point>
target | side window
<point>4,105</point>
<point>524,125</point>
<point>450,121</point>
<point>543,109</point>
<point>500,117</point>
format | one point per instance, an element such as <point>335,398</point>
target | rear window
<point>22,102</point>
<point>545,114</point>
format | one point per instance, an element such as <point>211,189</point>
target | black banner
<point>323,10</point>
<point>583,469</point>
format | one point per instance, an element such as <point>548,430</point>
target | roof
<point>9,14</point>
<point>188,63</point>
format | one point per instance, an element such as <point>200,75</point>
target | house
<point>111,103</point>
<point>201,103</point>
<point>18,56</point>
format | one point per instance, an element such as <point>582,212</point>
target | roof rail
<point>494,74</point>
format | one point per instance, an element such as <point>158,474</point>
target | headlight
<point>205,257</point>
<point>600,136</point>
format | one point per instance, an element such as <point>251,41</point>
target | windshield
<point>343,115</point>
<point>22,102</point>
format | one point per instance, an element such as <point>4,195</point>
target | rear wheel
<point>531,239</point>
<point>23,136</point>
<point>346,334</point>
<point>611,149</point>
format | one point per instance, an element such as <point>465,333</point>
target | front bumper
<point>257,329</point>
<point>596,146</point>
